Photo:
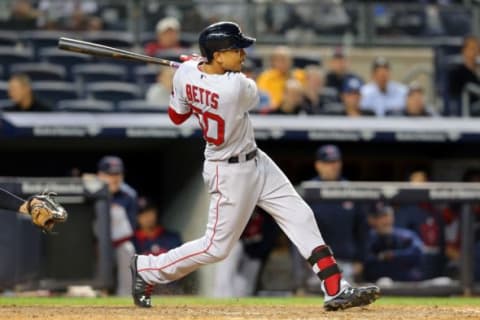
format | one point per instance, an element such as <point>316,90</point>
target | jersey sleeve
<point>177,98</point>
<point>249,97</point>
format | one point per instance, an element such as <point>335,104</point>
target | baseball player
<point>43,209</point>
<point>238,175</point>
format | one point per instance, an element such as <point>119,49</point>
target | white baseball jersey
<point>221,104</point>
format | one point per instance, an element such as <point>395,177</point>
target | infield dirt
<point>198,312</point>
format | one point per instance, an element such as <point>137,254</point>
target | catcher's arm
<point>43,209</point>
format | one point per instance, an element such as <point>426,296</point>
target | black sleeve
<point>9,201</point>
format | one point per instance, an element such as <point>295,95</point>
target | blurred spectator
<point>159,92</point>
<point>301,18</point>
<point>66,13</point>
<point>415,105</point>
<point>338,71</point>
<point>21,93</point>
<point>167,37</point>
<point>151,237</point>
<point>350,95</point>
<point>460,75</point>
<point>273,80</point>
<point>213,11</point>
<point>382,94</point>
<point>264,103</point>
<point>343,223</point>
<point>427,223</point>
<point>323,16</point>
<point>317,97</point>
<point>238,274</point>
<point>94,24</point>
<point>123,213</point>
<point>393,253</point>
<point>22,16</point>
<point>294,100</point>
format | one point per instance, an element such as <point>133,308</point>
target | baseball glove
<point>45,211</point>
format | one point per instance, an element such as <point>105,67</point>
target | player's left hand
<point>192,56</point>
<point>45,211</point>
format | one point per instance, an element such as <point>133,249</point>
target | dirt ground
<point>237,313</point>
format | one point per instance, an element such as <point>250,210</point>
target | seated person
<point>293,102</point>
<point>415,104</point>
<point>159,92</point>
<point>394,253</point>
<point>168,37</point>
<point>426,221</point>
<point>462,74</point>
<point>382,94</point>
<point>338,72</point>
<point>264,103</point>
<point>316,95</point>
<point>351,97</point>
<point>21,93</point>
<point>150,237</point>
<point>273,80</point>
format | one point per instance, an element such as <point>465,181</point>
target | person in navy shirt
<point>395,253</point>
<point>426,221</point>
<point>343,223</point>
<point>151,237</point>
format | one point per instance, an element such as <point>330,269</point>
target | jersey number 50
<point>213,126</point>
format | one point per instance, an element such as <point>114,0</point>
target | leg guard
<point>324,265</point>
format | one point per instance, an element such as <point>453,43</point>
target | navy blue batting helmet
<point>222,36</point>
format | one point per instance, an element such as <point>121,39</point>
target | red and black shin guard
<point>325,266</point>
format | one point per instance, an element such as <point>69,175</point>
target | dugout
<point>162,160</point>
<point>78,253</point>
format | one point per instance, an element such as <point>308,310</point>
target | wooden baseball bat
<point>100,50</point>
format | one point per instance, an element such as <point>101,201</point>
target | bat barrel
<point>100,50</point>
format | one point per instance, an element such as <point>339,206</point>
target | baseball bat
<point>100,50</point>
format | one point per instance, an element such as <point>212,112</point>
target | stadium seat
<point>39,39</point>
<point>5,103</point>
<point>146,37</point>
<point>40,71</point>
<point>53,91</point>
<point>115,39</point>
<point>8,38</point>
<point>140,106</point>
<point>12,55</point>
<point>113,91</point>
<point>66,58</point>
<point>85,105</point>
<point>94,72</point>
<point>146,75</point>
<point>3,90</point>
<point>2,73</point>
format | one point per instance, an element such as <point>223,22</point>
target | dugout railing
<point>464,194</point>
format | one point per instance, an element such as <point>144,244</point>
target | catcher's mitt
<point>45,211</point>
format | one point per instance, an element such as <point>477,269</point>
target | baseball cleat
<point>141,290</point>
<point>353,297</point>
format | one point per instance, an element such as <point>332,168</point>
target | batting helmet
<point>222,36</point>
